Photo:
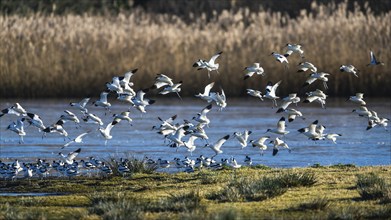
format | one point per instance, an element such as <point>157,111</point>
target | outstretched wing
<point>221,141</point>
<point>213,59</point>
<point>73,154</point>
<point>84,102</point>
<point>208,88</point>
<point>206,110</point>
<point>103,97</point>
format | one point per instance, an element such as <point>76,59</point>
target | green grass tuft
<point>315,204</point>
<point>371,186</point>
<point>296,179</point>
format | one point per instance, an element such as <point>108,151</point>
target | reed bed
<point>74,55</point>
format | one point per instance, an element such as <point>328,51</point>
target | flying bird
<point>216,147</point>
<point>271,92</point>
<point>254,69</point>
<point>209,65</point>
<point>374,61</point>
<point>78,139</point>
<point>255,93</point>
<point>206,95</point>
<point>294,48</point>
<point>349,69</point>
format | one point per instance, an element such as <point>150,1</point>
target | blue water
<point>356,146</point>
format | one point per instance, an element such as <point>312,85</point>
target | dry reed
<point>73,56</point>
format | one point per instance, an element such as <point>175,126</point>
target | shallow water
<point>356,146</point>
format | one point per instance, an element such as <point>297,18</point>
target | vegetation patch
<point>230,194</point>
<point>67,48</point>
<point>250,189</point>
<point>343,166</point>
<point>315,204</point>
<point>371,186</point>
<point>296,179</point>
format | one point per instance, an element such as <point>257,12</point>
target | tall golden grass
<point>73,56</point>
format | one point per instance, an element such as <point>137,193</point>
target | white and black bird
<point>362,111</point>
<point>175,88</point>
<point>209,65</point>
<point>311,132</point>
<point>102,101</point>
<point>271,92</point>
<point>304,66</point>
<point>168,123</point>
<point>92,118</point>
<point>201,117</point>
<point>277,144</point>
<point>254,69</point>
<point>16,109</point>
<point>280,58</point>
<point>70,156</point>
<point>291,98</point>
<point>162,80</point>
<point>317,76</point>
<point>105,132</point>
<point>234,164</point>
<point>123,116</point>
<point>260,143</point>
<point>35,120</point>
<point>255,93</point>
<point>199,132</point>
<point>18,128</point>
<point>189,144</point>
<point>316,96</point>
<point>333,137</point>
<point>248,161</point>
<point>374,61</point>
<point>176,137</point>
<point>280,127</point>
<point>242,137</point>
<point>216,147</point>
<point>292,114</point>
<point>56,128</point>
<point>140,102</point>
<point>382,122</point>
<point>220,99</point>
<point>114,85</point>
<point>358,98</point>
<point>125,80</point>
<point>126,97</point>
<point>81,105</point>
<point>9,111</point>
<point>78,139</point>
<point>70,116</point>
<point>349,69</point>
<point>294,48</point>
<point>206,95</point>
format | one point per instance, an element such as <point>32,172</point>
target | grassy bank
<point>336,192</point>
<point>73,56</point>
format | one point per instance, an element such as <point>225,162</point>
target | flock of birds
<point>181,135</point>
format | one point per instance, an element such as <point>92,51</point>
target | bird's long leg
<point>179,96</point>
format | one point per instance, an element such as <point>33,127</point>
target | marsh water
<point>356,145</point>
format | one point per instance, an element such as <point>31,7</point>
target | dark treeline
<point>184,9</point>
